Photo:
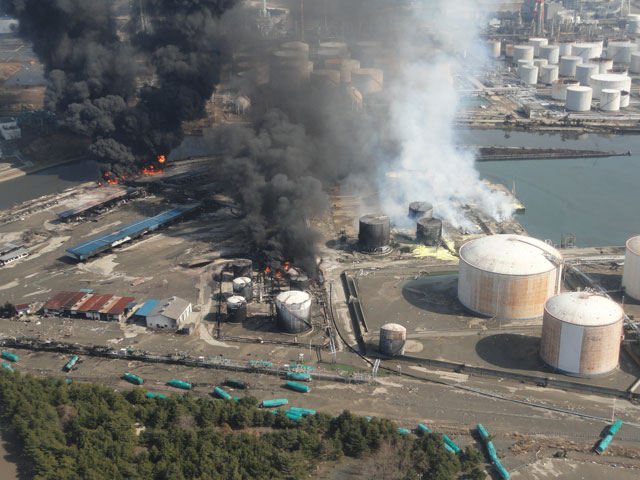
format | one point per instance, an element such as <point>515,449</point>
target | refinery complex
<point>306,212</point>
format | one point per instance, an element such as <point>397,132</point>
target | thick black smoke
<point>92,72</point>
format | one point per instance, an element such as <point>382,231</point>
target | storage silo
<point>536,43</point>
<point>548,74</point>
<point>393,338</point>
<point>236,309</point>
<point>293,310</point>
<point>559,88</point>
<point>586,50</point>
<point>565,48</point>
<point>624,98</point>
<point>620,52</point>
<point>610,100</point>
<point>551,53</point>
<point>579,99</point>
<point>420,209</point>
<point>508,276</point>
<point>243,287</point>
<point>609,81</point>
<point>374,234</point>
<point>429,231</point>
<point>522,52</point>
<point>584,72</point>
<point>494,48</point>
<point>634,66</point>
<point>604,64</point>
<point>631,274</point>
<point>581,333</point>
<point>567,65</point>
<point>528,74</point>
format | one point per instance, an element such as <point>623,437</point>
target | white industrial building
<point>9,129</point>
<point>169,313</point>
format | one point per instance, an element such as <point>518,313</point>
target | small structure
<point>9,129</point>
<point>23,308</point>
<point>13,256</point>
<point>169,313</point>
<point>91,306</point>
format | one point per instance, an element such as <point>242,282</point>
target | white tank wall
<point>579,99</point>
<point>634,66</point>
<point>631,274</point>
<point>584,72</point>
<point>524,52</point>
<point>536,43</point>
<point>559,89</point>
<point>620,52</point>
<point>633,24</point>
<point>586,50</point>
<point>564,49</point>
<point>604,65</point>
<point>610,100</point>
<point>494,48</point>
<point>550,52</point>
<point>567,65</point>
<point>548,74</point>
<point>524,61</point>
<point>528,74</point>
<point>609,81</point>
<point>540,62</point>
<point>624,99</point>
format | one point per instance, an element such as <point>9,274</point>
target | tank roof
<point>510,255</point>
<point>236,301</point>
<point>293,297</point>
<point>633,244</point>
<point>584,308</point>
<point>609,77</point>
<point>374,218</point>
<point>394,327</point>
<point>579,88</point>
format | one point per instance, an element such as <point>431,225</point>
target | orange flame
<point>111,178</point>
<point>151,170</point>
<point>279,274</point>
<point>267,270</point>
<point>286,266</point>
<point>161,159</point>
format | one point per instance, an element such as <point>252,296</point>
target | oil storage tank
<point>604,64</point>
<point>524,52</point>
<point>609,100</point>
<point>536,43</point>
<point>429,231</point>
<point>581,333</point>
<point>550,52</point>
<point>528,74</point>
<point>579,99</point>
<point>420,209</point>
<point>293,310</point>
<point>584,72</point>
<point>243,287</point>
<point>392,339</point>
<point>568,64</point>
<point>548,74</point>
<point>236,309</point>
<point>631,274</point>
<point>559,88</point>
<point>634,66</point>
<point>609,81</point>
<point>508,276</point>
<point>374,234</point>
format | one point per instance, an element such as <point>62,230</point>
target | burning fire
<point>151,170</point>
<point>267,270</point>
<point>161,159</point>
<point>279,274</point>
<point>111,178</point>
<point>286,266</point>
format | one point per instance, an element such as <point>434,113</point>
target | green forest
<point>91,432</point>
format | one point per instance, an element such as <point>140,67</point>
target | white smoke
<point>429,167</point>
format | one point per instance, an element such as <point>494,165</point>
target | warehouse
<point>91,306</point>
<point>169,313</point>
<point>133,230</point>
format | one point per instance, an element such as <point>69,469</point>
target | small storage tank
<point>392,339</point>
<point>236,309</point>
<point>604,64</point>
<point>293,310</point>
<point>586,50</point>
<point>610,100</point>
<point>633,25</point>
<point>420,209</point>
<point>298,280</point>
<point>584,72</point>
<point>540,62</point>
<point>567,65</point>
<point>523,63</point>
<point>631,274</point>
<point>508,276</point>
<point>550,52</point>
<point>242,267</point>
<point>548,74</point>
<point>429,231</point>
<point>609,81</point>
<point>243,287</point>
<point>620,52</point>
<point>528,74</point>
<point>581,333</point>
<point>624,99</point>
<point>367,80</point>
<point>579,99</point>
<point>536,43</point>
<point>524,52</point>
<point>634,66</point>
<point>559,88</point>
<point>508,50</point>
<point>374,234</point>
<point>564,48</point>
<point>347,66</point>
<point>494,48</point>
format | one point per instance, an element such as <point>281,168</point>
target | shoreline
<point>17,172</point>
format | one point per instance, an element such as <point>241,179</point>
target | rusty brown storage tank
<point>508,276</point>
<point>420,209</point>
<point>374,234</point>
<point>581,333</point>
<point>631,274</point>
<point>236,309</point>
<point>392,339</point>
<point>429,231</point>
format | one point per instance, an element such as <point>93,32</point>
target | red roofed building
<point>89,305</point>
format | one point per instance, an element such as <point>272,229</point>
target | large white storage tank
<point>579,99</point>
<point>609,81</point>
<point>610,100</point>
<point>522,52</point>
<point>634,66</point>
<point>581,333</point>
<point>631,275</point>
<point>536,43</point>
<point>548,74</point>
<point>508,276</point>
<point>568,65</point>
<point>559,88</point>
<point>620,52</point>
<point>564,48</point>
<point>494,48</point>
<point>584,72</point>
<point>604,64</point>
<point>293,309</point>
<point>550,52</point>
<point>528,74</point>
<point>586,50</point>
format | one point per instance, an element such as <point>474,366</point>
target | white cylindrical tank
<point>604,64</point>
<point>508,276</point>
<point>565,48</point>
<point>523,62</point>
<point>540,62</point>
<point>584,72</point>
<point>620,52</point>
<point>579,99</point>
<point>586,50</point>
<point>522,52</point>
<point>609,100</point>
<point>236,309</point>
<point>548,74</point>
<point>581,333</point>
<point>367,80</point>
<point>293,310</point>
<point>624,99</point>
<point>631,274</point>
<point>494,48</point>
<point>567,65</point>
<point>550,52</point>
<point>536,43</point>
<point>634,66</point>
<point>528,74</point>
<point>393,338</point>
<point>609,81</point>
<point>559,88</point>
<point>243,287</point>
<point>633,24</point>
